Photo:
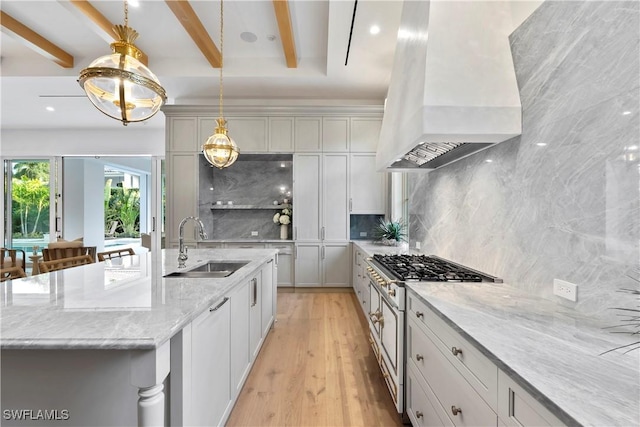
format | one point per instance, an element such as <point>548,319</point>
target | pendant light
<point>120,79</point>
<point>220,149</point>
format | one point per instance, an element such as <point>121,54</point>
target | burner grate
<point>426,269</point>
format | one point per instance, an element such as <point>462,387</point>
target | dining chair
<point>62,263</point>
<point>9,273</point>
<point>116,253</point>
<point>50,254</point>
<point>9,258</point>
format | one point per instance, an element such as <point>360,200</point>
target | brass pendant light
<point>220,149</point>
<point>120,79</point>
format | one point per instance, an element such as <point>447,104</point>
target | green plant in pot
<point>390,233</point>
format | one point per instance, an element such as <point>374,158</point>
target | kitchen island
<point>101,344</point>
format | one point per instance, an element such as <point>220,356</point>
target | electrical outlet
<point>566,290</point>
<point>254,233</point>
<point>363,234</point>
<point>418,245</point>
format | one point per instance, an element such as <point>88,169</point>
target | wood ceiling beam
<point>283,16</point>
<point>35,41</point>
<point>191,23</point>
<point>97,22</point>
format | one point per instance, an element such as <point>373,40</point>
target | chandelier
<point>220,149</point>
<point>119,85</point>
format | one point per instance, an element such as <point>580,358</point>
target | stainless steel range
<point>388,275</point>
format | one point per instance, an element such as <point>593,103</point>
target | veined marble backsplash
<point>563,199</point>
<point>253,180</point>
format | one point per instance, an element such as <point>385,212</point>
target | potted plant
<point>390,233</point>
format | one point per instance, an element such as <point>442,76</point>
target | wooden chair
<point>62,263</point>
<point>50,254</point>
<point>9,273</point>
<point>9,258</point>
<point>116,253</point>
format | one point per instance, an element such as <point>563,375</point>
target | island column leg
<point>149,368</point>
<point>151,406</point>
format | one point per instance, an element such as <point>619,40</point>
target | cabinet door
<point>306,201</point>
<point>335,264</point>
<point>206,126</point>
<point>364,134</point>
<point>308,134</point>
<point>250,133</point>
<point>335,197</point>
<point>307,265</point>
<point>367,187</point>
<point>210,358</point>
<point>518,408</point>
<point>281,134</point>
<point>182,134</point>
<point>255,315</point>
<point>285,264</point>
<point>182,172</point>
<point>335,134</point>
<point>268,294</point>
<point>240,358</point>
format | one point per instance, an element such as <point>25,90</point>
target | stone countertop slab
<point>371,247</point>
<point>553,352</point>
<point>125,303</point>
<point>246,241</point>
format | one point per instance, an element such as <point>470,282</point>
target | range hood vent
<point>453,89</point>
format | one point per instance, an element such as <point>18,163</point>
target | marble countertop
<point>246,241</point>
<point>554,352</point>
<point>125,303</point>
<point>371,247</point>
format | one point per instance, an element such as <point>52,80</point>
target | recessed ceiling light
<point>50,108</point>
<point>249,37</point>
<point>374,29</point>
<point>541,144</point>
<point>282,165</point>
<point>626,113</point>
<point>489,161</point>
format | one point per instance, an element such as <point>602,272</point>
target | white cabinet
<point>367,186</point>
<point>364,134</point>
<point>308,134</point>
<point>335,197</point>
<point>210,357</point>
<point>267,297</point>
<point>518,408</point>
<point>308,271</point>
<point>336,267</point>
<point>285,263</point>
<point>182,192</point>
<point>360,280</point>
<point>281,134</point>
<point>335,134</point>
<point>250,133</point>
<point>240,357</point>
<point>182,134</point>
<point>255,315</point>
<point>307,175</point>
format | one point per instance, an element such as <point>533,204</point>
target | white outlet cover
<point>254,233</point>
<point>566,290</point>
<point>417,245</point>
<point>363,234</point>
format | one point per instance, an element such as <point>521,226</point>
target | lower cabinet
<point>285,264</point>
<point>360,280</point>
<point>212,356</point>
<point>323,264</point>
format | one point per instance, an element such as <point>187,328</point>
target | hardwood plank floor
<point>316,368</point>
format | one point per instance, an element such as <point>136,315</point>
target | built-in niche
<point>239,202</point>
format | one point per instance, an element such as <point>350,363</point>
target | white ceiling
<point>255,71</point>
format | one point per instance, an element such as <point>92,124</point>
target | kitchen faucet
<point>182,255</point>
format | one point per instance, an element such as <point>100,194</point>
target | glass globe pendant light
<point>220,149</point>
<point>119,85</point>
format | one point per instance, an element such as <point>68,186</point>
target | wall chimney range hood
<point>453,88</point>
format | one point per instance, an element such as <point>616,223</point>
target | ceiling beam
<point>190,21</point>
<point>283,16</point>
<point>35,41</point>
<point>97,22</point>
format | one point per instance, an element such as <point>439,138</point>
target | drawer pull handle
<point>419,357</point>
<point>419,314</point>
<point>455,411</point>
<point>419,414</point>
<point>455,351</point>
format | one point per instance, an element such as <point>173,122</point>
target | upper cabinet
<point>364,134</point>
<point>308,134</point>
<point>250,133</point>
<point>281,134</point>
<point>335,134</point>
<point>181,133</point>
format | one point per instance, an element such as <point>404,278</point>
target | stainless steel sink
<point>211,270</point>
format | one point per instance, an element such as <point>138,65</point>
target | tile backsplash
<point>563,199</point>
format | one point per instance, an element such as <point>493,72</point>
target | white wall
<point>521,9</point>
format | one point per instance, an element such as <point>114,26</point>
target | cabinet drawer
<point>518,408</point>
<point>452,391</point>
<point>481,373</point>
<point>419,407</point>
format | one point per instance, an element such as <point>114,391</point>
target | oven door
<point>374,309</point>
<point>390,333</point>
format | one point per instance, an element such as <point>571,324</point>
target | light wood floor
<point>316,368</point>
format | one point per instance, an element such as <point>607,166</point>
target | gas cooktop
<point>428,268</point>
